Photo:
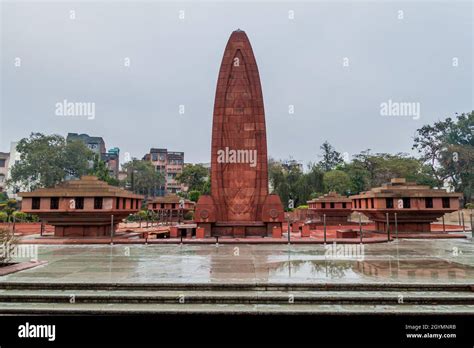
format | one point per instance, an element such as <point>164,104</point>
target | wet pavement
<point>405,261</point>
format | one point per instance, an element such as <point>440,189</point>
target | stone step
<point>141,308</point>
<point>90,298</point>
<point>237,297</point>
<point>457,287</point>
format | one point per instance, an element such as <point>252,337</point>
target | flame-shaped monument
<point>239,204</point>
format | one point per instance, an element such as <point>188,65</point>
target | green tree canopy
<point>193,176</point>
<point>100,170</point>
<point>194,195</point>
<point>338,181</point>
<point>330,157</point>
<point>292,183</point>
<point>371,170</point>
<point>142,177</point>
<point>447,149</point>
<point>46,160</point>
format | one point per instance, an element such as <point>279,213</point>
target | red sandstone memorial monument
<point>239,204</point>
<point>81,208</point>
<point>337,208</point>
<point>416,206</point>
<point>171,207</point>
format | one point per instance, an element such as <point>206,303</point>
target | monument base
<point>83,230</point>
<point>334,216</point>
<point>208,215</point>
<point>239,229</point>
<point>413,227</point>
<point>409,221</point>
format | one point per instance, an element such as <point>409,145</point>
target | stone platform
<point>433,276</point>
<point>414,261</point>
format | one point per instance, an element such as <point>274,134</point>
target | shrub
<point>3,216</point>
<point>32,218</point>
<point>3,197</point>
<point>20,216</point>
<point>143,214</point>
<point>189,215</point>
<point>194,195</point>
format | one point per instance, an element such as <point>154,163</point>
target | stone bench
<point>346,233</point>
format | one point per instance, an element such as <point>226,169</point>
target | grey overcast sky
<point>175,62</point>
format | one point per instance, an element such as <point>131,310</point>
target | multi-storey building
<point>112,160</point>
<point>292,164</point>
<point>97,146</point>
<point>170,164</point>
<point>4,159</point>
<point>14,157</point>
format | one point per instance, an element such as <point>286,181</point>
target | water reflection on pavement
<point>404,261</point>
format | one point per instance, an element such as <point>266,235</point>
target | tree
<point>77,157</point>
<point>142,177</point>
<point>330,157</point>
<point>371,170</point>
<point>337,180</point>
<point>193,176</point>
<point>314,178</point>
<point>279,182</point>
<point>100,170</point>
<point>46,160</point>
<point>194,195</point>
<point>206,188</point>
<point>359,177</point>
<point>447,149</point>
<point>292,183</point>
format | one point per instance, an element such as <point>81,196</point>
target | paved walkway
<point>407,261</point>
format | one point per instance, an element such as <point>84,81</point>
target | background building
<point>112,161</point>
<point>4,159</point>
<point>97,146</point>
<point>292,164</point>
<point>170,164</point>
<point>14,157</point>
